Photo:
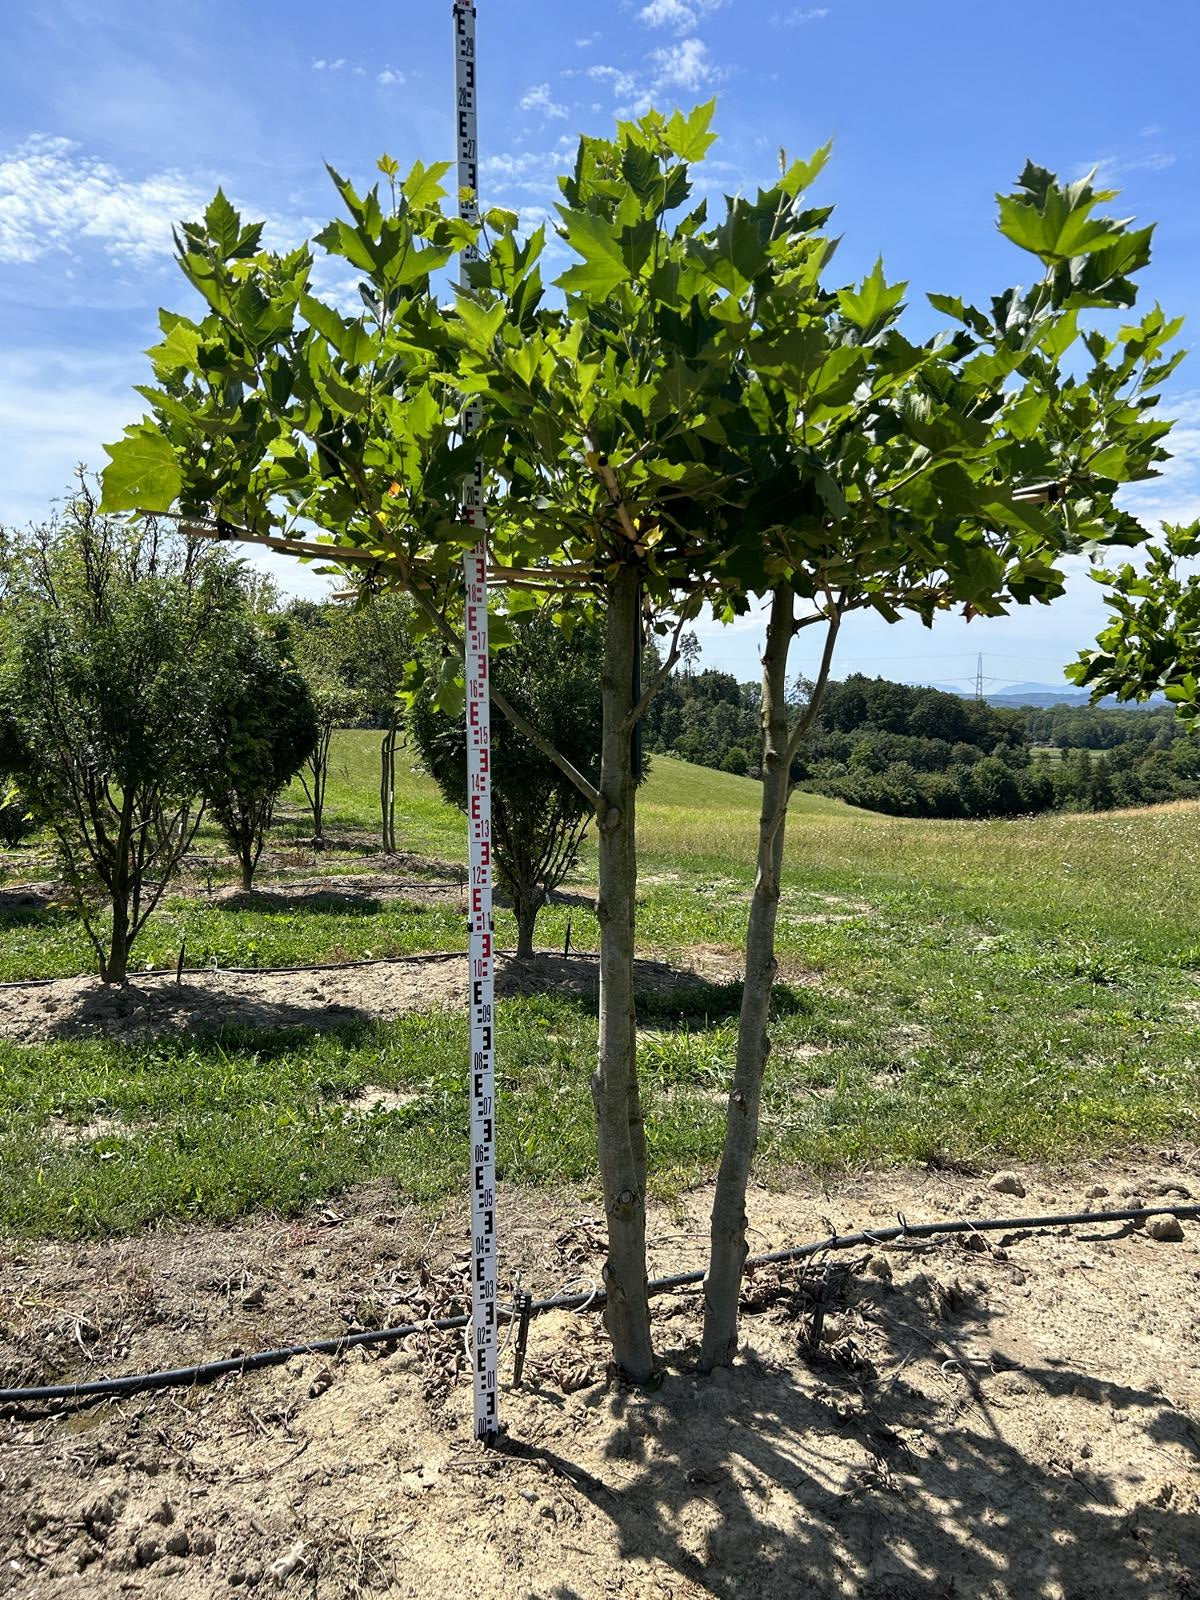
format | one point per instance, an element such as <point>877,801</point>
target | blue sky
<point>119,116</point>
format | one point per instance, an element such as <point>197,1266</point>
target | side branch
<point>219,529</point>
<point>638,711</point>
<point>809,714</point>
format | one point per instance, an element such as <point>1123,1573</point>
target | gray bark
<point>620,1133</point>
<point>729,1223</point>
<point>727,1259</point>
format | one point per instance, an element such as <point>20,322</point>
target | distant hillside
<point>1047,694</point>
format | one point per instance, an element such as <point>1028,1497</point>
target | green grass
<point>956,992</point>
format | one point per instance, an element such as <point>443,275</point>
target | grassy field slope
<point>951,992</point>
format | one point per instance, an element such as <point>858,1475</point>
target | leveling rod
<point>481,977</point>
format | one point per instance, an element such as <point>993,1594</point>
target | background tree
<point>538,816</point>
<point>107,679</point>
<point>1152,643</point>
<point>378,639</point>
<point>263,728</point>
<point>320,643</point>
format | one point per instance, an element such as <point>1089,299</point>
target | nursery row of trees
<point>139,686</point>
<point>700,415</point>
<point>149,679</point>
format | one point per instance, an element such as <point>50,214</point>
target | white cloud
<point>681,15</point>
<point>799,15</point>
<point>1109,168</point>
<point>322,65</point>
<point>53,198</point>
<point>684,65</point>
<point>539,99</point>
<point>587,42</point>
<point>623,83</point>
<point>390,75</point>
<point>526,169</point>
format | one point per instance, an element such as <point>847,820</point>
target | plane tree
<point>1151,642</point>
<point>613,420</point>
<point>915,479</point>
<point>694,420</point>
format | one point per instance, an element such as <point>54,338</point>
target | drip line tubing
<point>205,1372</point>
<point>174,975</point>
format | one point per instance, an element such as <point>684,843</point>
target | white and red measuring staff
<point>481,994</point>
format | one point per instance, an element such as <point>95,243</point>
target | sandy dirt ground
<point>154,1004</point>
<point>1013,1416</point>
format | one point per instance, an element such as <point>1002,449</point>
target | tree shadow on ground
<point>274,902</point>
<point>908,1473</point>
<point>668,998</point>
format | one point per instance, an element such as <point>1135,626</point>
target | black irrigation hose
<point>268,972</point>
<point>142,1382</point>
<point>252,972</point>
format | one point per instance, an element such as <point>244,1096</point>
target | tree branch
<point>638,711</point>
<point>818,692</point>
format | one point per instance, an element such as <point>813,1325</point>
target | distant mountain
<point>1048,694</point>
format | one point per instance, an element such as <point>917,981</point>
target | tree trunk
<point>314,785</point>
<point>387,787</point>
<point>729,1248</point>
<point>248,864</point>
<point>115,966</point>
<point>620,1134</point>
<point>526,911</point>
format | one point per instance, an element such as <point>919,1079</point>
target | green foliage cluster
<point>137,688</point>
<point>539,817</point>
<point>1152,640</point>
<point>920,752</point>
<point>708,718</point>
<point>262,729</point>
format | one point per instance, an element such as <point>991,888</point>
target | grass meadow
<point>951,993</point>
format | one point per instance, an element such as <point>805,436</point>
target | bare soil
<point>1011,1416</point>
<point>154,1004</point>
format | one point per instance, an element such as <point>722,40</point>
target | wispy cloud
<point>539,100</point>
<point>587,41</point>
<point>1109,168</point>
<point>54,198</point>
<point>799,15</point>
<point>389,76</point>
<point>682,15</point>
<point>531,170</point>
<point>623,83</point>
<point>340,65</point>
<point>683,65</point>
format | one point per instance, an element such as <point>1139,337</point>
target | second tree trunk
<point>620,1133</point>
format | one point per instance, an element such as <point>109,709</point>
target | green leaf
<point>142,474</point>
<point>223,224</point>
<point>689,137</point>
<point>603,267</point>
<point>876,300</point>
<point>423,186</point>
